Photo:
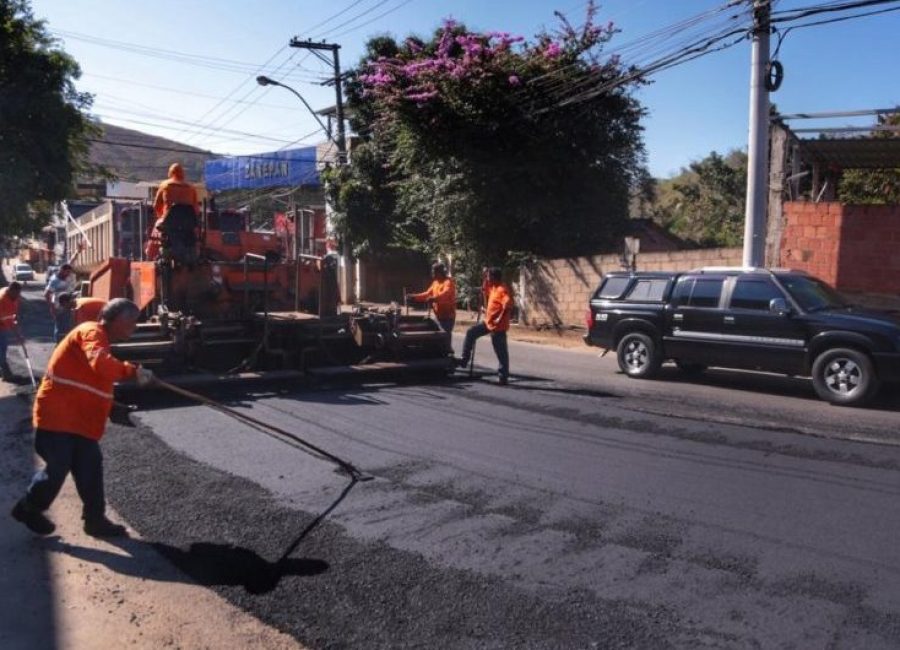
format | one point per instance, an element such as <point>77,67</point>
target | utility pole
<point>758,144</point>
<point>347,284</point>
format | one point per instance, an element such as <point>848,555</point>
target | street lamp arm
<point>266,81</point>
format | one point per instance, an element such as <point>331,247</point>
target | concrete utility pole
<point>347,283</point>
<point>758,145</point>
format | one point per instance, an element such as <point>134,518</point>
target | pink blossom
<point>514,80</point>
<point>552,50</point>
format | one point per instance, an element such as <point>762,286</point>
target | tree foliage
<point>467,151</point>
<point>705,202</point>
<point>43,127</point>
<point>873,186</point>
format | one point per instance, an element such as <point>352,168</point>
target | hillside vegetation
<point>135,156</point>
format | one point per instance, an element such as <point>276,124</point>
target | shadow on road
<point>206,563</point>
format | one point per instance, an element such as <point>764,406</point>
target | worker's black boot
<point>36,520</point>
<point>103,527</point>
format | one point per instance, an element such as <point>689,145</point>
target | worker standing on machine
<point>70,411</point>
<point>441,296</point>
<point>174,191</point>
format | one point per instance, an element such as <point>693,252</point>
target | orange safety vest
<point>175,192</point>
<point>76,394</point>
<point>444,294</point>
<point>9,311</point>
<point>499,303</point>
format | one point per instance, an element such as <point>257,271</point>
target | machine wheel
<point>844,376</point>
<point>690,369</point>
<point>638,355</point>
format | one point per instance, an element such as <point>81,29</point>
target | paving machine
<point>220,300</point>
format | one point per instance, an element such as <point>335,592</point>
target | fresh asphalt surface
<point>573,509</point>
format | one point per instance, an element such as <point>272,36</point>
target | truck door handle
<point>729,320</point>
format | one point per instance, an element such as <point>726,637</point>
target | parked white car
<point>23,272</point>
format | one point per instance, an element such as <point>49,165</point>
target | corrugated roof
<point>854,153</point>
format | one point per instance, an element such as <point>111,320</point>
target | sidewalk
<point>71,591</point>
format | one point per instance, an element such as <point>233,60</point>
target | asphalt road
<point>575,508</point>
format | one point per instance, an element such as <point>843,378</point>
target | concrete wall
<point>855,248</point>
<point>556,292</point>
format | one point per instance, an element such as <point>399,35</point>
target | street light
<point>262,80</point>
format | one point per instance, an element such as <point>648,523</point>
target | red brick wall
<point>852,247</point>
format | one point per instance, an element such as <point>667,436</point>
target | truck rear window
<point>649,290</point>
<point>613,288</point>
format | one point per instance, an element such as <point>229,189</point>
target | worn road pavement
<point>575,508</point>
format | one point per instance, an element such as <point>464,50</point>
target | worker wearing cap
<point>61,282</point>
<point>10,298</point>
<point>497,312</point>
<point>441,296</point>
<point>70,411</point>
<point>172,191</point>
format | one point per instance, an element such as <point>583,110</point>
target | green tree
<point>43,125</point>
<point>705,202</point>
<point>471,149</point>
<point>873,186</point>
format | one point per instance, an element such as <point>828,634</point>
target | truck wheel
<point>844,377</point>
<point>638,355</point>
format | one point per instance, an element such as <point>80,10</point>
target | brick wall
<point>556,292</point>
<point>852,247</point>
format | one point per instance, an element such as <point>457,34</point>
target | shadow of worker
<point>205,563</point>
<point>211,564</point>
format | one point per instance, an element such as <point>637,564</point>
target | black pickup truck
<point>772,320</point>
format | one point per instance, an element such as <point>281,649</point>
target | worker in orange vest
<point>441,296</point>
<point>497,312</point>
<point>10,298</point>
<point>172,191</point>
<point>69,417</point>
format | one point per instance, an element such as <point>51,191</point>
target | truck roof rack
<point>745,269</point>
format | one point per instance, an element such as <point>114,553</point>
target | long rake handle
<point>348,467</point>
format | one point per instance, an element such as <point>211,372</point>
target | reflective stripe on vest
<point>78,384</point>
<point>10,317</point>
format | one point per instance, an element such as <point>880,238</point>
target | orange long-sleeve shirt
<point>499,309</point>
<point>175,192</point>
<point>9,311</point>
<point>76,394</point>
<point>444,294</point>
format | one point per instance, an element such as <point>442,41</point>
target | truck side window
<point>754,294</point>
<point>706,292</point>
<point>682,293</point>
<point>648,290</point>
<point>613,288</point>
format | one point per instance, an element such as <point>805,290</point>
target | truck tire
<point>638,355</point>
<point>845,377</point>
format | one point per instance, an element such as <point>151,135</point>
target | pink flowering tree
<point>486,145</point>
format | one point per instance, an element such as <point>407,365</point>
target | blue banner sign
<point>291,168</point>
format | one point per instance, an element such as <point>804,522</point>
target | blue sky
<point>186,71</point>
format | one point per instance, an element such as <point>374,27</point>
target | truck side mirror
<point>779,306</point>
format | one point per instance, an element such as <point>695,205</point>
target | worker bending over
<point>440,296</point>
<point>70,411</point>
<point>497,311</point>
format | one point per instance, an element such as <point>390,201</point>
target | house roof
<point>853,153</point>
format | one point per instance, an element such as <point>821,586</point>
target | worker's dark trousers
<point>64,453</point>
<point>498,340</point>
<point>447,324</point>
